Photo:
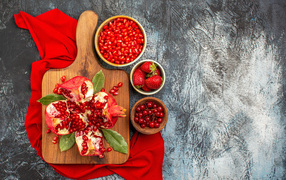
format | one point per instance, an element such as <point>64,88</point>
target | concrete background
<point>225,86</point>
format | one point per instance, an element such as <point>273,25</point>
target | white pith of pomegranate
<point>89,142</point>
<point>83,113</point>
<point>77,89</point>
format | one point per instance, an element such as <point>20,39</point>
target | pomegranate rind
<point>74,85</point>
<point>51,121</point>
<point>94,144</point>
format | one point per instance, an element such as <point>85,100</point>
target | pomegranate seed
<point>55,138</point>
<point>115,93</point>
<point>112,91</point>
<point>115,88</point>
<point>109,149</point>
<point>55,90</point>
<point>63,78</point>
<point>48,131</point>
<point>103,150</point>
<point>102,90</point>
<point>120,84</point>
<point>54,142</point>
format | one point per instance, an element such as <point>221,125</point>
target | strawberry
<point>145,88</point>
<point>139,78</point>
<point>148,67</point>
<point>154,82</point>
<point>156,72</point>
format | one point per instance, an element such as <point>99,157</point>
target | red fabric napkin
<point>54,34</point>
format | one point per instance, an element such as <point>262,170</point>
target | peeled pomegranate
<point>83,113</point>
<point>104,110</point>
<point>77,89</point>
<point>61,121</point>
<point>89,142</point>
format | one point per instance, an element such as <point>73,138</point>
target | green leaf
<point>115,140</point>
<point>98,81</point>
<point>50,98</point>
<point>67,142</point>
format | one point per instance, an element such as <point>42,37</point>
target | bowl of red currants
<point>149,115</point>
<point>120,40</point>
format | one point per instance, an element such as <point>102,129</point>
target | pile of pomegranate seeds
<point>149,115</point>
<point>114,90</point>
<point>121,41</point>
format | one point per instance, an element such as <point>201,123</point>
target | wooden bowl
<point>148,130</point>
<point>141,91</point>
<point>99,30</point>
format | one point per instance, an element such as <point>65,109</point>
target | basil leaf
<point>50,98</point>
<point>67,142</point>
<point>98,81</point>
<point>115,140</point>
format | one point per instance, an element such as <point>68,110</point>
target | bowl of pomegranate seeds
<point>147,77</point>
<point>120,41</point>
<point>149,115</point>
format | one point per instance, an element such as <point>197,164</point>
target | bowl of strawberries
<point>147,77</point>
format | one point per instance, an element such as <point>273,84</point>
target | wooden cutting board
<point>86,64</point>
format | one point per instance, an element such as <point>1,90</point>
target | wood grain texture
<point>86,65</point>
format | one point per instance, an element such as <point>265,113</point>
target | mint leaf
<point>67,142</point>
<point>115,140</point>
<point>98,81</point>
<point>50,98</point>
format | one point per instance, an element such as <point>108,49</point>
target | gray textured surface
<point>225,65</point>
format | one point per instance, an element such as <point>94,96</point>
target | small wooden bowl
<point>148,130</point>
<point>99,30</point>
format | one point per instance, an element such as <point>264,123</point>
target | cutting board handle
<point>85,32</point>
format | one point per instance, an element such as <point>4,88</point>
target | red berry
<point>138,109</point>
<point>149,112</point>
<point>136,114</point>
<point>151,125</point>
<point>145,112</point>
<point>155,106</point>
<point>136,119</point>
<point>142,107</point>
<point>147,119</point>
<point>161,114</point>
<point>157,125</point>
<point>160,108</point>
<point>140,115</point>
<point>143,125</point>
<point>158,114</point>
<point>141,121</point>
<point>160,120</point>
<point>155,110</point>
<point>150,104</point>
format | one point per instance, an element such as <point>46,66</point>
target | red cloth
<point>54,34</point>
